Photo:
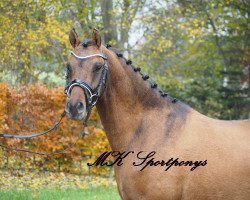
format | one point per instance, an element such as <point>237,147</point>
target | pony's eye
<point>97,67</point>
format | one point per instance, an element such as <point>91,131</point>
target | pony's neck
<point>125,101</point>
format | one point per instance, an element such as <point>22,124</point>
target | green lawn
<point>95,193</point>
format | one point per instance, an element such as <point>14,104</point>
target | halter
<point>92,95</point>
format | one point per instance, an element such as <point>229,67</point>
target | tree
<point>188,46</point>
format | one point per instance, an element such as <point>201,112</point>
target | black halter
<point>92,95</point>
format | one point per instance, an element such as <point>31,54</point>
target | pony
<point>169,150</point>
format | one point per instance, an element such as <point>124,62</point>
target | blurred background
<point>196,50</point>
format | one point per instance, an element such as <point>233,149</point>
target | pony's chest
<point>134,184</point>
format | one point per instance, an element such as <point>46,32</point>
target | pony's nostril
<point>80,107</point>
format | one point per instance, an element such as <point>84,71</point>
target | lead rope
<point>55,127</point>
<point>35,134</point>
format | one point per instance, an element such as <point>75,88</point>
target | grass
<point>27,185</point>
<point>93,193</point>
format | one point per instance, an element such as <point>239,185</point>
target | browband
<point>90,56</point>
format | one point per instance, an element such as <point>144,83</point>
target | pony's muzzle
<point>76,110</point>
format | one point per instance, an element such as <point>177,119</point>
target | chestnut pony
<point>213,155</point>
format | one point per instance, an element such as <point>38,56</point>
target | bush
<point>35,108</point>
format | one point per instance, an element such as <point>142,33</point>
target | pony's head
<point>86,75</point>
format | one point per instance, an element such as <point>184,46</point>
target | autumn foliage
<point>35,108</point>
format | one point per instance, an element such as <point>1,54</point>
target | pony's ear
<point>96,38</point>
<point>73,38</point>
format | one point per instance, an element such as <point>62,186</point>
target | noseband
<point>92,95</point>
